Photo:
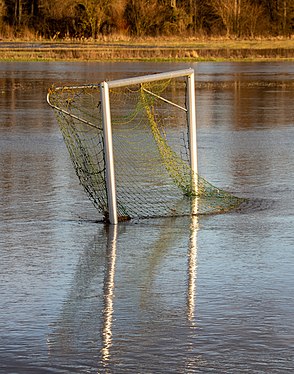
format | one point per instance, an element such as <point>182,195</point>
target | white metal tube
<point>150,78</point>
<point>108,150</point>
<point>165,100</point>
<point>192,131</point>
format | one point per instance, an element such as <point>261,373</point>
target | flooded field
<point>156,49</point>
<point>209,294</point>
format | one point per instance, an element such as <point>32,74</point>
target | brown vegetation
<point>156,49</point>
<point>95,19</point>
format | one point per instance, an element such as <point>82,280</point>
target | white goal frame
<point>107,128</point>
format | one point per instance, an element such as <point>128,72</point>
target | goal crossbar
<point>150,78</point>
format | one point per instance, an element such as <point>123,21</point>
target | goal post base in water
<point>133,145</point>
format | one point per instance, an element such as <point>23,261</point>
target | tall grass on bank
<point>155,49</point>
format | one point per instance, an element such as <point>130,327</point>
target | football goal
<point>133,146</point>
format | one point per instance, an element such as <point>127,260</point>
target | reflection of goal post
<point>107,128</point>
<point>133,146</point>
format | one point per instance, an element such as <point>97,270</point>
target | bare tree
<point>240,17</point>
<point>254,20</point>
<point>143,16</point>
<point>95,13</point>
<point>285,10</point>
<point>225,10</point>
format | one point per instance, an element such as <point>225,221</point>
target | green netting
<point>151,150</point>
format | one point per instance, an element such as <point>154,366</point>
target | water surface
<point>212,294</point>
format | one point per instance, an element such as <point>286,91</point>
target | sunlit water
<point>211,294</point>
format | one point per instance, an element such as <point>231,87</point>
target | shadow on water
<point>92,332</point>
<point>255,205</point>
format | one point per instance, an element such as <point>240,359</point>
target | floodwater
<point>209,294</point>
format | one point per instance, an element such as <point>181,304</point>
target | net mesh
<point>150,145</point>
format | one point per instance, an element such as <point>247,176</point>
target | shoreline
<point>149,50</point>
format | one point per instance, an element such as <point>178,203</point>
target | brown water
<point>208,295</point>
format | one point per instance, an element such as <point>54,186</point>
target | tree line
<point>95,18</point>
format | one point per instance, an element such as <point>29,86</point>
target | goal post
<point>108,154</point>
<point>133,144</point>
<point>107,127</point>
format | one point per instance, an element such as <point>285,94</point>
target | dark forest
<point>92,19</point>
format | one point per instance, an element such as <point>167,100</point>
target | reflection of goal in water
<point>133,145</point>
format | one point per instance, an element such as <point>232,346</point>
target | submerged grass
<point>149,49</point>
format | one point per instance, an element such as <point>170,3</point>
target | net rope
<point>151,149</point>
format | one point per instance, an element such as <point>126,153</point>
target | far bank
<point>148,50</point>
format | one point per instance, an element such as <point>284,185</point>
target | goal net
<point>133,146</point>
